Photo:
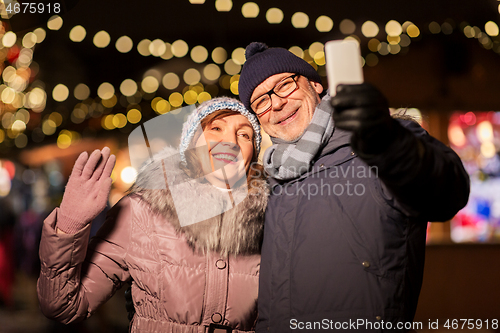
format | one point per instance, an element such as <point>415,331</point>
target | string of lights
<point>211,71</point>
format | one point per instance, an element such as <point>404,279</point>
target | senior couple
<point>279,259</point>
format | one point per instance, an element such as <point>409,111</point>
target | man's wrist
<point>377,139</point>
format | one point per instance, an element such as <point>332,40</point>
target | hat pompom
<point>255,47</point>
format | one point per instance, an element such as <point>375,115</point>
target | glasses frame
<point>270,92</point>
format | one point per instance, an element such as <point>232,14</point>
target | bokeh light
<point>29,40</point>
<point>40,34</point>
<point>160,106</point>
<point>315,48</point>
<point>60,92</point>
<point>124,44</point>
<point>324,23</point>
<point>176,99</point>
<point>21,141</point>
<point>404,40</point>
<point>107,122</point>
<point>393,40</point>
<point>446,28</point>
<point>393,28</point>
<point>274,15</point>
<point>105,90</point>
<point>179,48</point>
<point>413,31</point>
<point>319,58</point>
<point>134,116</point>
<point>199,54</point>
<point>456,135</point>
<point>119,120</point>
<point>300,20</point>
<point>250,10</point>
<point>383,48</point>
<point>9,74</point>
<point>234,87</point>
<point>57,118</point>
<point>79,113</point>
<point>203,97</point>
<point>77,34</point>
<point>211,72</point>
<point>434,27</point>
<point>394,48</point>
<point>190,97</point>
<point>369,29</point>
<point>8,95</point>
<point>157,47</point>
<point>168,52</point>
<point>128,175</point>
<point>347,27</point>
<point>238,56</point>
<point>55,22</point>
<point>170,81</point>
<point>24,60</point>
<point>191,76</point>
<point>18,126</point>
<point>9,39</point>
<point>484,131</point>
<point>297,51</point>
<point>231,67</point>
<point>128,87</point>
<point>219,55</point>
<point>150,84</point>
<point>491,28</point>
<point>488,149</point>
<point>371,59</point>
<point>81,92</point>
<point>48,127</point>
<point>223,5</point>
<point>64,139</point>
<point>110,102</point>
<point>101,39</point>
<point>36,99</point>
<point>143,47</point>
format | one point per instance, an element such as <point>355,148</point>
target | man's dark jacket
<point>344,244</point>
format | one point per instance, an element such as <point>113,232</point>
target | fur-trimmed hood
<point>226,230</point>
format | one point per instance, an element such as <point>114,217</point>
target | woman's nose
<point>230,138</point>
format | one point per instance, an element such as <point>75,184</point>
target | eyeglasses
<point>262,104</point>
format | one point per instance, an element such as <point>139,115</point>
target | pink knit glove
<point>87,190</point>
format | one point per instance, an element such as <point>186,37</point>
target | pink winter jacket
<point>183,279</point>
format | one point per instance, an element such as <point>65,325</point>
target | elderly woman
<point>199,275</point>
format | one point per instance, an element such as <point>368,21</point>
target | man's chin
<point>290,135</point>
<point>291,132</point>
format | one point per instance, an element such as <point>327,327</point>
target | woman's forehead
<point>235,119</point>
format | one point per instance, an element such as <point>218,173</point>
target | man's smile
<point>288,119</point>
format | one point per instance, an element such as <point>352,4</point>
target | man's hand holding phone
<point>359,107</point>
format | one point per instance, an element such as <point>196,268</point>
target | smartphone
<point>343,63</point>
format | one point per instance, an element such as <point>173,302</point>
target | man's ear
<point>318,87</point>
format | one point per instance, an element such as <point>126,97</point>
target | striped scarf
<point>286,160</point>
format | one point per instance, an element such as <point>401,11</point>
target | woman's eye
<point>245,135</point>
<point>216,128</point>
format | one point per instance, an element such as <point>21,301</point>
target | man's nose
<point>277,102</point>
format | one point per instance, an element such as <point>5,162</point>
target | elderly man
<point>352,191</point>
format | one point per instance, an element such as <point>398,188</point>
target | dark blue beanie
<point>263,62</point>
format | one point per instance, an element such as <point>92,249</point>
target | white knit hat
<point>208,107</point>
